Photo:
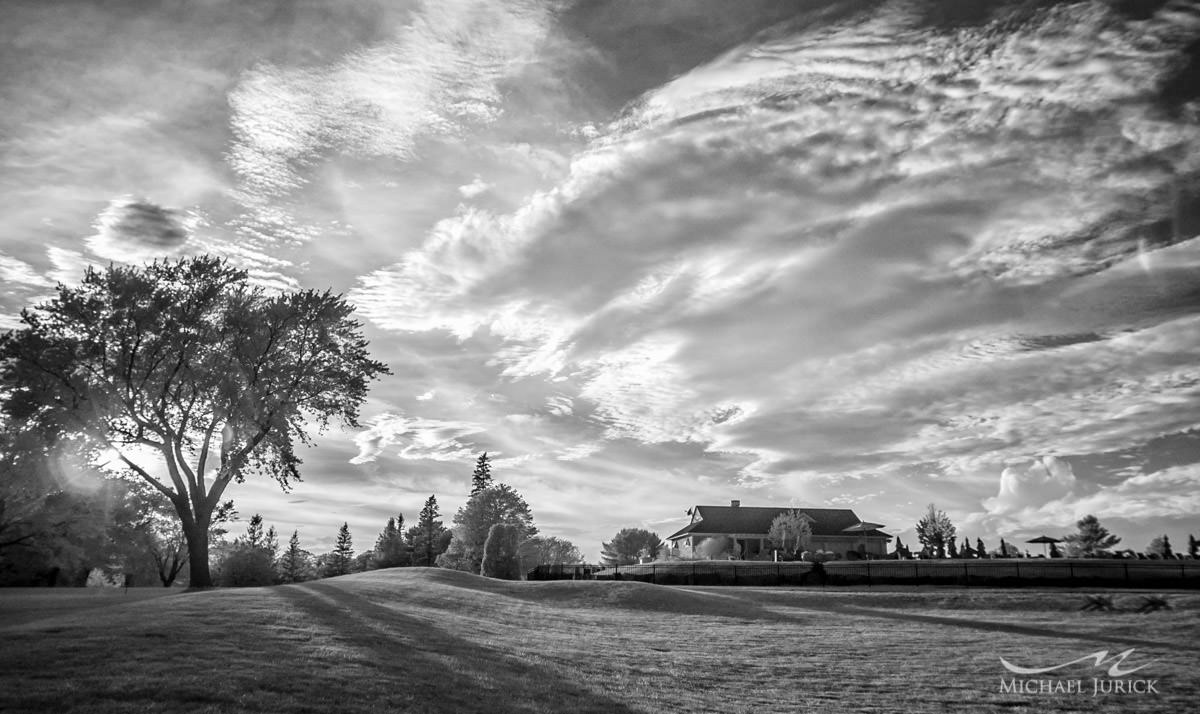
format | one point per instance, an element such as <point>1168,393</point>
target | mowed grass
<point>422,640</point>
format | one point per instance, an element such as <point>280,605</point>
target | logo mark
<point>1097,659</point>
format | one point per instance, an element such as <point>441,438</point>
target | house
<point>748,525</point>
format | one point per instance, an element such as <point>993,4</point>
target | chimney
<point>734,504</point>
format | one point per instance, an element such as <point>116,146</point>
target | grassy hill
<point>421,640</point>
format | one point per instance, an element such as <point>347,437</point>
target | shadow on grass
<point>441,672</point>
<point>852,611</point>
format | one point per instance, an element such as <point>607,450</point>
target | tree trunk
<point>197,544</point>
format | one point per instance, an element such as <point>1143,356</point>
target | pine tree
<point>254,532</point>
<point>271,542</point>
<point>481,479</point>
<point>429,538</point>
<point>953,549</point>
<point>500,553</point>
<point>1003,549</point>
<point>390,549</point>
<point>497,504</point>
<point>295,564</point>
<point>1054,552</point>
<point>341,560</point>
<point>1193,546</point>
<point>979,548</point>
<point>966,551</point>
<point>1166,548</point>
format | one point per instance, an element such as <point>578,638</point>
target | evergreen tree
<point>295,565</point>
<point>1054,552</point>
<point>481,479</point>
<point>1193,546</point>
<point>390,549</point>
<point>899,551</point>
<point>498,504</point>
<point>1160,546</point>
<point>979,548</point>
<point>500,553</point>
<point>935,531</point>
<point>1092,540</point>
<point>429,538</point>
<point>967,551</point>
<point>953,549</point>
<point>341,560</point>
<point>1003,549</point>
<point>271,543</point>
<point>254,532</point>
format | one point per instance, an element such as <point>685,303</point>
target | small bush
<point>246,567</point>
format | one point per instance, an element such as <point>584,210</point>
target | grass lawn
<point>422,640</point>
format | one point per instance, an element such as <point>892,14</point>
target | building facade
<point>749,525</point>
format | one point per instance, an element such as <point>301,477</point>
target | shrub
<point>246,567</point>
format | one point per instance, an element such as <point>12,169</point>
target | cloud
<point>418,438</point>
<point>133,230</point>
<point>1046,479</point>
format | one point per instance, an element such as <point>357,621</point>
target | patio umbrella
<point>1044,540</point>
<point>864,528</point>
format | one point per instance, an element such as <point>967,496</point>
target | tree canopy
<point>1091,540</point>
<point>935,531</point>
<point>481,478</point>
<point>189,365</point>
<point>497,504</point>
<point>790,532</point>
<point>628,545</point>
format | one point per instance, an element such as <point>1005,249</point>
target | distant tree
<point>1193,546</point>
<point>1092,540</point>
<point>390,549</point>
<point>1054,551</point>
<point>429,538</point>
<point>543,550</point>
<point>898,551</point>
<point>1161,547</point>
<point>254,533</point>
<point>952,548</point>
<point>295,565</point>
<point>627,546</point>
<point>481,479</point>
<point>363,562</point>
<point>935,531</point>
<point>790,532</point>
<point>980,550</point>
<point>192,362</point>
<point>271,542</point>
<point>341,560</point>
<point>500,553</point>
<point>1004,551</point>
<point>498,504</point>
<point>967,551</point>
<point>250,563</point>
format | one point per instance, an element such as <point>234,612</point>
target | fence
<point>1032,572</point>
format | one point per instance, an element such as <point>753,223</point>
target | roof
<point>757,519</point>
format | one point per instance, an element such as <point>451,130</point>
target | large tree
<point>550,550</point>
<point>497,504</point>
<point>481,478</point>
<point>190,367</point>
<point>790,532</point>
<point>341,560</point>
<point>390,549</point>
<point>1091,540</point>
<point>628,545</point>
<point>500,553</point>
<point>935,531</point>
<point>430,537</point>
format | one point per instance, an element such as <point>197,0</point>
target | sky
<point>647,255</point>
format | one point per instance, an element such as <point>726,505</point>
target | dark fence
<point>1031,572</point>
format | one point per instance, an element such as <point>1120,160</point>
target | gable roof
<point>757,519</point>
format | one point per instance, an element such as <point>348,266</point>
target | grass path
<point>418,640</point>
